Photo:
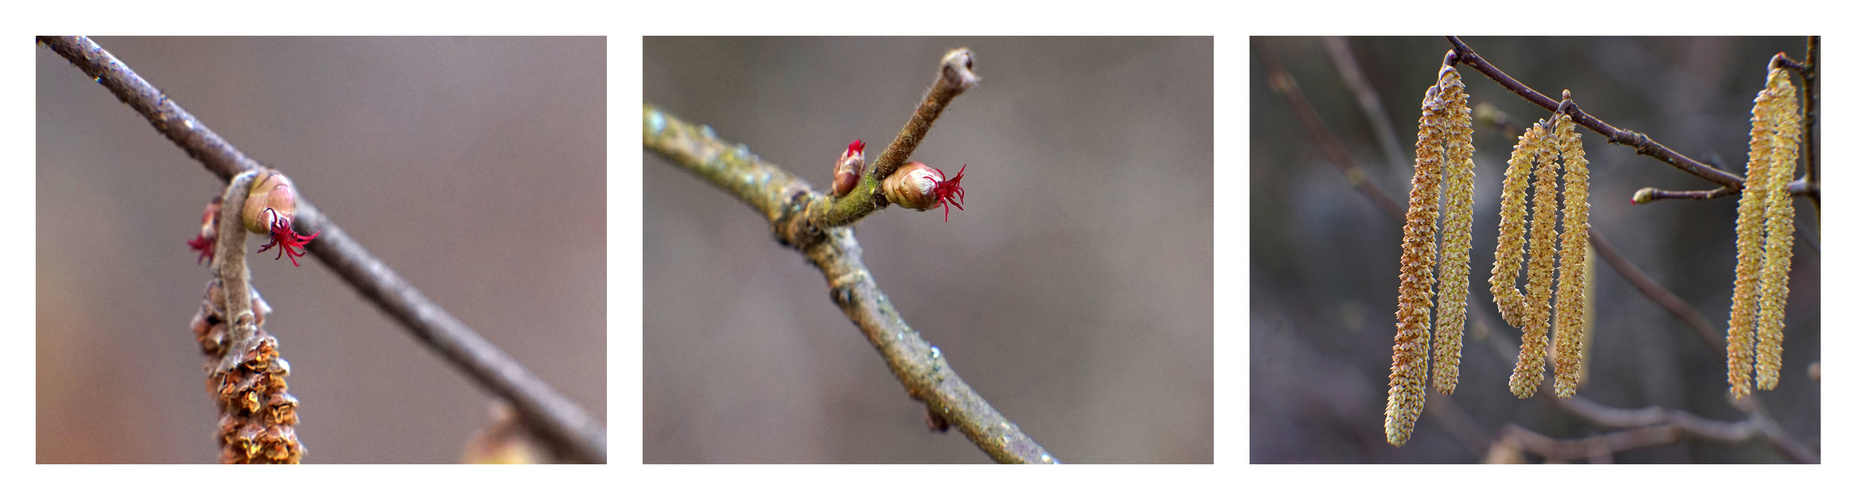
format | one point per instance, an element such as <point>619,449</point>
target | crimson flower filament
<point>286,240</point>
<point>950,192</point>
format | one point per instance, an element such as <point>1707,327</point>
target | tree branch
<point>956,76</point>
<point>783,198</point>
<point>1643,143</point>
<point>572,433</point>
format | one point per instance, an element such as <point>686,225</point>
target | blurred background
<point>1074,292</point>
<point>1324,262</point>
<point>474,166</point>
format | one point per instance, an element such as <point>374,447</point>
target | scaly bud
<point>849,170</point>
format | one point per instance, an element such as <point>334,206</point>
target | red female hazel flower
<point>919,186</point>
<point>269,208</point>
<point>849,169</point>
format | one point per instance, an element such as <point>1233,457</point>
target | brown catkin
<point>1511,233</point>
<point>1570,301</point>
<point>1532,358</point>
<point>1782,109</point>
<point>1454,235</point>
<point>1750,251</point>
<point>1405,398</point>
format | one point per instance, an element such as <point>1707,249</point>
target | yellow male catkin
<point>1405,398</point>
<point>1512,231</point>
<point>1570,301</point>
<point>1751,228</point>
<point>1532,357</point>
<point>1454,268</point>
<point>1782,151</point>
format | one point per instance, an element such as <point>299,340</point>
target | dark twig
<point>956,76</point>
<point>1657,293</point>
<point>1284,84</point>
<point>1368,98</point>
<point>1641,142</point>
<point>1808,90</point>
<point>570,430</point>
<point>781,196</point>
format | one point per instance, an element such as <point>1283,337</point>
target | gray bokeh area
<point>475,167</point>
<point>1325,262</point>
<point>1074,292</point>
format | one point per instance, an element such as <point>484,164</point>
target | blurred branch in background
<point>783,198</point>
<point>573,434</point>
<point>1643,427</point>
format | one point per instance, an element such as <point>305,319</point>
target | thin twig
<point>573,433</point>
<point>1284,84</point>
<point>780,196</point>
<point>1809,96</point>
<point>1368,98</point>
<point>956,76</point>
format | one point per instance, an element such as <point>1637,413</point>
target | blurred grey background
<point>1074,292</point>
<point>474,166</point>
<point>1324,262</point>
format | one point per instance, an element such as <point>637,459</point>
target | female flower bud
<point>269,209</point>
<point>850,168</point>
<point>919,186</point>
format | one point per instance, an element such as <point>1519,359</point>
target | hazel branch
<point>782,197</point>
<point>955,76</point>
<point>572,433</point>
<point>1643,143</point>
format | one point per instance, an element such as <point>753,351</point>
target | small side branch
<point>956,76</point>
<point>573,433</point>
<point>780,196</point>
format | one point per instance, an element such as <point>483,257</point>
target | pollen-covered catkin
<point>1532,358</point>
<point>1454,235</point>
<point>1405,398</point>
<point>1570,301</point>
<point>1750,249</point>
<point>1782,110</point>
<point>1511,233</point>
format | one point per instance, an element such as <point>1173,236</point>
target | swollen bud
<point>849,170</point>
<point>272,196</point>
<point>913,186</point>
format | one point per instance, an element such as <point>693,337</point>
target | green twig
<point>955,77</point>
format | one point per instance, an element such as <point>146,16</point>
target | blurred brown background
<point>1324,264</point>
<point>1074,292</point>
<point>474,166</point>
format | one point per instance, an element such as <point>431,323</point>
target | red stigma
<point>948,191</point>
<point>857,146</point>
<point>286,240</point>
<point>204,245</point>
